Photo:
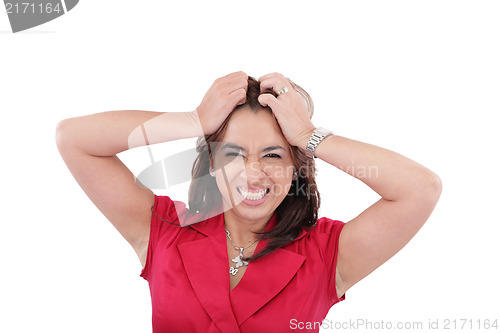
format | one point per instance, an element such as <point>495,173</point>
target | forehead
<point>254,129</point>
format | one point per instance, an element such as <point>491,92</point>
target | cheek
<point>282,182</point>
<point>225,180</point>
<point>281,189</point>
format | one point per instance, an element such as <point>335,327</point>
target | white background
<point>420,78</point>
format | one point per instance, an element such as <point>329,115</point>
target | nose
<point>253,171</point>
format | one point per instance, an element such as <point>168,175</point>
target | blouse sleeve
<point>329,233</point>
<point>164,209</point>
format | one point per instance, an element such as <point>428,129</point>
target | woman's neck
<point>242,230</point>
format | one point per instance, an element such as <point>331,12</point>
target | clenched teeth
<point>252,195</point>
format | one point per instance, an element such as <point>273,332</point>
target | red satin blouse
<point>188,274</point>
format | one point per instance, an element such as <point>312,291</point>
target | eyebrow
<point>235,146</point>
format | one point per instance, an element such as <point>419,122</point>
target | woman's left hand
<point>289,108</point>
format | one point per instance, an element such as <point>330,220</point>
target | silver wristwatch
<point>318,135</point>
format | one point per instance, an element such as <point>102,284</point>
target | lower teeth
<point>254,198</point>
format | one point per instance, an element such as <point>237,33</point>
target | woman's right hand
<point>221,99</point>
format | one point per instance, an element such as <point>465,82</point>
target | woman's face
<point>253,163</point>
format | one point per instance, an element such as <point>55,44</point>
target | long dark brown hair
<point>297,212</point>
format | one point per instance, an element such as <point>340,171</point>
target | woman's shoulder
<point>324,230</point>
<point>327,225</point>
<point>176,212</point>
<point>168,208</point>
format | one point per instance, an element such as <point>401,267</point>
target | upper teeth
<point>252,195</point>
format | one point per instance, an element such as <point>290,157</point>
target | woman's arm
<point>112,132</point>
<point>409,193</point>
<point>88,146</point>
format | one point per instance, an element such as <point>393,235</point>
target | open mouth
<point>252,194</point>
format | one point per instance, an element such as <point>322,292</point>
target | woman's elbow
<point>430,189</point>
<point>63,133</point>
<point>435,185</point>
<point>60,128</point>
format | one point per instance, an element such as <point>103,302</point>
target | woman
<point>249,254</point>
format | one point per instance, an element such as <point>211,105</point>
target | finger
<point>275,84</point>
<point>239,82</point>
<point>268,100</point>
<point>236,87</point>
<point>239,96</point>
<point>271,75</point>
<point>234,75</point>
<point>226,81</point>
<point>237,76</point>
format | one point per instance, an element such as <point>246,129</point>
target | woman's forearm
<point>393,176</point>
<point>109,133</point>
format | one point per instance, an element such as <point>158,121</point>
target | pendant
<point>239,262</point>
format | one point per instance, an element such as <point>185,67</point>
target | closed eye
<point>273,155</point>
<point>233,154</point>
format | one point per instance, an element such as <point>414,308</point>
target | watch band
<point>316,137</point>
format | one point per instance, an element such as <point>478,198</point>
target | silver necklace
<point>239,258</point>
